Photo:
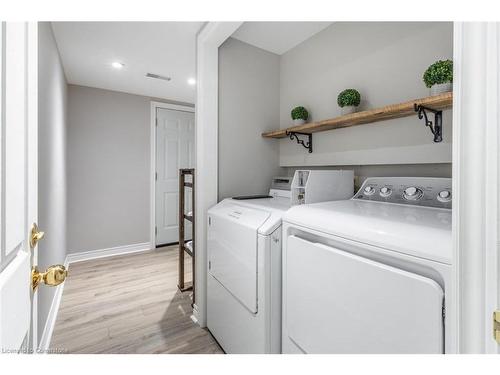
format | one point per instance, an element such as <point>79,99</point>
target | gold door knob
<point>35,235</point>
<point>53,276</point>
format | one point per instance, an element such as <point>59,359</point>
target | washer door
<point>337,302</point>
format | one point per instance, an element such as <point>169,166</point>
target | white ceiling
<point>278,37</point>
<point>87,50</point>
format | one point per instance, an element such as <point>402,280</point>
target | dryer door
<point>337,302</point>
<point>232,247</point>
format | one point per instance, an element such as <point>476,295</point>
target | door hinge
<point>156,176</point>
<point>156,230</point>
<point>209,265</point>
<point>156,122</point>
<point>209,220</point>
<point>496,325</point>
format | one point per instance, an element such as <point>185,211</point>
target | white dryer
<point>244,253</point>
<point>370,274</point>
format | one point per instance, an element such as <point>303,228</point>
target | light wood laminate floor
<point>129,304</point>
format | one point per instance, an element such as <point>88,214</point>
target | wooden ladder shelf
<point>186,247</point>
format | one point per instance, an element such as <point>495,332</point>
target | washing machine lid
<point>419,231</point>
<point>275,208</point>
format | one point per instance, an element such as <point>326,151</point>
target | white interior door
<point>174,150</point>
<point>18,203</point>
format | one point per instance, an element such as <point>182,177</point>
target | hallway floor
<point>129,304</point>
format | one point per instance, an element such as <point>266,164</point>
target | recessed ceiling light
<point>117,65</point>
<point>192,81</point>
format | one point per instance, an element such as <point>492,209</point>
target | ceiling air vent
<point>157,76</point>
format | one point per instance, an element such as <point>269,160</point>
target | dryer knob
<point>369,190</point>
<point>444,196</point>
<point>412,193</point>
<point>385,191</point>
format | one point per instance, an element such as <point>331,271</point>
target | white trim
<point>2,140</point>
<point>453,320</point>
<point>32,153</point>
<point>492,256</point>
<point>475,184</point>
<point>109,252</point>
<point>152,180</point>
<point>50,323</point>
<point>208,40</point>
<point>173,107</point>
<point>194,316</point>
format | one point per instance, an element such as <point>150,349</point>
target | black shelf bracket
<point>295,135</point>
<point>436,127</point>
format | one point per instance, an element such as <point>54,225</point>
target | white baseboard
<point>195,315</point>
<point>109,252</point>
<point>52,317</point>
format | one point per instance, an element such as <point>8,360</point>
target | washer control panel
<point>416,191</point>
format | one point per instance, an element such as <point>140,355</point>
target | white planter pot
<point>441,88</point>
<point>299,121</point>
<point>348,109</point>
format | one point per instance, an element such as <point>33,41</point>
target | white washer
<point>370,274</point>
<point>244,274</point>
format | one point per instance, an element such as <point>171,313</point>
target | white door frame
<point>476,119</point>
<point>32,157</point>
<point>210,37</point>
<point>152,188</point>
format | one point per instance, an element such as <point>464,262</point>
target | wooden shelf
<point>388,112</point>
<point>186,246</point>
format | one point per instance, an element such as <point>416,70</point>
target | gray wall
<point>52,125</point>
<point>108,169</point>
<point>248,105</point>
<point>385,62</point>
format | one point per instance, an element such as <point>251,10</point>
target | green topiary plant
<point>349,97</point>
<point>300,113</point>
<point>439,72</point>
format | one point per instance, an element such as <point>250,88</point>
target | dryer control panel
<point>415,191</point>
